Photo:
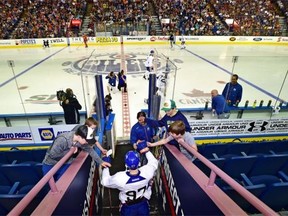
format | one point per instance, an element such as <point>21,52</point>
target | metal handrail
<point>35,190</point>
<point>262,207</point>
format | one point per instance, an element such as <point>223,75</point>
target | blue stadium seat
<point>268,165</point>
<point>265,179</point>
<point>19,156</point>
<point>38,168</point>
<point>209,149</point>
<point>38,155</point>
<point>238,148</point>
<point>281,147</point>
<point>276,196</point>
<point>8,202</point>
<point>261,148</point>
<point>219,162</point>
<point>6,186</point>
<point>3,159</point>
<point>234,166</point>
<point>285,168</point>
<point>256,190</point>
<point>23,173</point>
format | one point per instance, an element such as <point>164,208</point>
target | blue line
<point>228,72</point>
<point>23,72</point>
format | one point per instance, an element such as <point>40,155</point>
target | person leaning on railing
<point>63,143</point>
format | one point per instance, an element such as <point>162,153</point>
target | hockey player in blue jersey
<point>134,184</point>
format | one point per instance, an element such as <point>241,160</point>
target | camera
<point>61,95</point>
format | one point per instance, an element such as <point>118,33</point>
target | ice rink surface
<point>29,78</point>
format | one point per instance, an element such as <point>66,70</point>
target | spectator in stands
<point>45,19</point>
<point>71,107</point>
<point>177,132</point>
<point>172,115</point>
<point>135,184</point>
<point>92,123</point>
<point>249,18</point>
<point>233,91</point>
<point>62,145</point>
<point>219,105</point>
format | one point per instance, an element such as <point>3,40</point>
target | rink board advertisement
<point>179,194</point>
<point>234,127</point>
<point>223,128</point>
<point>144,39</point>
<point>32,135</point>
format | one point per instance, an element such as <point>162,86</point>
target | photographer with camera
<point>70,106</point>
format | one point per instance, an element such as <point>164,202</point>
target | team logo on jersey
<point>105,63</point>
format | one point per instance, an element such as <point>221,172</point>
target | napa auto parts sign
<point>32,135</point>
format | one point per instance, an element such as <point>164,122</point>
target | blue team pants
<point>141,208</point>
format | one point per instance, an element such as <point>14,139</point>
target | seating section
<point>261,167</point>
<point>256,190</point>
<point>41,19</point>
<point>252,148</point>
<point>20,171</point>
<point>22,156</point>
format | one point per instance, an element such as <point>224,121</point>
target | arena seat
<point>261,148</point>
<point>19,156</point>
<point>8,202</point>
<point>281,147</point>
<point>256,190</point>
<point>238,148</point>
<point>6,186</point>
<point>219,162</point>
<point>268,165</point>
<point>234,166</point>
<point>3,159</point>
<point>23,173</point>
<point>38,155</point>
<point>265,179</point>
<point>276,196</point>
<point>209,149</point>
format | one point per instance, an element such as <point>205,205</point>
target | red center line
<point>125,99</point>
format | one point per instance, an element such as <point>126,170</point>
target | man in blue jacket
<point>219,105</point>
<point>233,91</point>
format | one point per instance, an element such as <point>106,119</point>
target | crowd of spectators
<point>11,11</point>
<point>121,15</point>
<point>251,17</point>
<point>51,18</point>
<point>48,18</point>
<point>283,5</point>
<point>189,17</point>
